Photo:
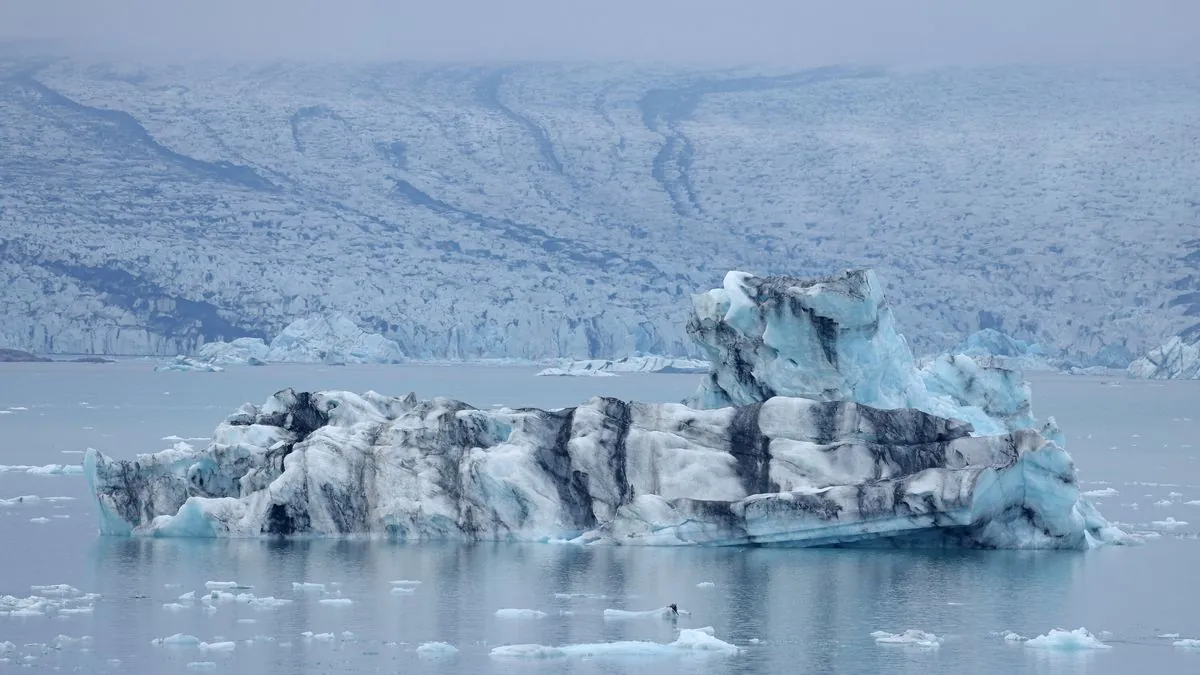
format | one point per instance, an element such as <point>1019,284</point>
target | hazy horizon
<point>701,32</point>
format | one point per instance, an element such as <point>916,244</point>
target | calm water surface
<point>791,610</point>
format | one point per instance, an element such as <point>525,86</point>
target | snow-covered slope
<point>789,471</point>
<point>565,211</point>
<point>1175,360</point>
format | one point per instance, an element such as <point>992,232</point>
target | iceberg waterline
<point>813,428</point>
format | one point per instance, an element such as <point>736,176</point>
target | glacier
<point>809,430</point>
<point>334,339</point>
<point>415,199</point>
<point>1176,359</point>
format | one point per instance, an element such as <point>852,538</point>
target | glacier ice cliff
<point>315,339</point>
<point>629,364</point>
<point>813,428</point>
<point>1176,359</point>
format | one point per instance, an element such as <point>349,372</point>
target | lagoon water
<point>789,610</point>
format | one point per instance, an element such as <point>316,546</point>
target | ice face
<point>835,339</point>
<point>788,471</point>
<point>1174,360</point>
<point>632,364</point>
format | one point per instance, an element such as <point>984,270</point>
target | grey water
<point>789,610</point>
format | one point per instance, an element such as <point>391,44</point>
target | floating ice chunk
<point>64,641</point>
<point>1014,637</point>
<point>222,585</point>
<point>226,646</point>
<point>406,582</point>
<point>910,637</point>
<point>1163,502</point>
<point>436,649</point>
<point>403,590</point>
<point>248,621</point>
<point>317,637</point>
<point>349,637</point>
<point>44,470</point>
<point>201,665</point>
<point>1169,636</point>
<point>188,597</point>
<point>520,614</point>
<point>175,607</point>
<point>1187,643</point>
<point>581,596</point>
<point>660,613</point>
<point>306,586</point>
<point>1103,492</point>
<point>338,602</point>
<point>631,364</point>
<point>565,372</point>
<point>1067,640</point>
<point>268,603</point>
<point>56,590</point>
<point>23,500</point>
<point>706,584</point>
<point>40,519</point>
<point>1193,502</point>
<point>1168,524</point>
<point>698,640</point>
<point>184,364</point>
<point>177,640</point>
<point>1174,495</point>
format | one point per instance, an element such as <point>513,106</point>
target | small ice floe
<point>18,408</point>
<point>39,520</point>
<point>201,665</point>
<point>406,582</point>
<point>23,500</point>
<point>307,587</point>
<point>1163,502</point>
<point>1010,636</point>
<point>184,439</point>
<point>1174,495</point>
<point>222,585</point>
<point>1168,524</point>
<point>175,607</point>
<point>348,636</point>
<point>580,596</point>
<point>1187,643</point>
<point>188,597</point>
<point>1102,492</point>
<point>264,604</point>
<point>317,637</point>
<point>1193,502</point>
<point>1169,636</point>
<point>403,590</point>
<point>660,613</point>
<point>1067,640</point>
<point>909,638</point>
<point>247,620</point>
<point>336,602</point>
<point>436,650</point>
<point>68,642</point>
<point>690,640</point>
<point>44,470</point>
<point>224,646</point>
<point>706,584</point>
<point>176,640</point>
<point>520,614</point>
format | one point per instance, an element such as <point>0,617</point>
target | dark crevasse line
<point>665,108</point>
<point>123,124</point>
<point>190,323</point>
<point>488,94</point>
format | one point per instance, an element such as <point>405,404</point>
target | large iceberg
<point>318,339</point>
<point>1175,360</point>
<point>813,428</point>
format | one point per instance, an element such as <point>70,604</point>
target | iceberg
<point>994,348</point>
<point>319,339</point>
<point>835,339</point>
<point>813,427</point>
<point>1174,360</point>
<point>186,364</point>
<point>631,364</point>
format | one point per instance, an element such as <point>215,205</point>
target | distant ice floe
<point>308,635</point>
<point>59,600</point>
<point>436,649</point>
<point>307,586</point>
<point>334,339</point>
<point>520,614</point>
<point>581,596</point>
<point>44,470</point>
<point>201,665</point>
<point>1168,524</point>
<point>1066,640</point>
<point>631,364</point>
<point>698,641</point>
<point>660,613</point>
<point>1010,636</point>
<point>909,638</point>
<point>1187,643</point>
<point>176,640</point>
<point>184,364</point>
<point>406,582</point>
<point>706,584</point>
<point>1103,492</point>
<point>336,602</point>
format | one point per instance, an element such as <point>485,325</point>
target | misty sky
<point>795,32</point>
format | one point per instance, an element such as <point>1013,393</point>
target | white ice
<point>1102,492</point>
<point>437,649</point>
<point>690,641</point>
<point>177,640</point>
<point>44,470</point>
<point>333,339</point>
<point>1187,643</point>
<point>520,614</point>
<point>341,602</point>
<point>631,364</point>
<point>185,364</point>
<point>706,584</point>
<point>660,613</point>
<point>1066,640</point>
<point>307,586</point>
<point>910,638</point>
